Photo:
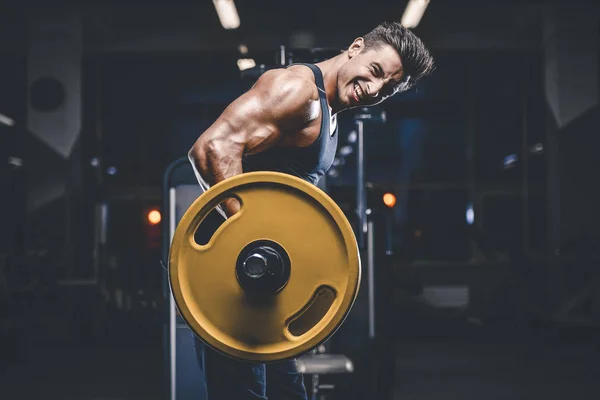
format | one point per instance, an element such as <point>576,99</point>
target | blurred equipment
<point>564,293</point>
<point>318,365</point>
<point>365,337</point>
<point>184,377</point>
<point>12,180</point>
<point>284,57</point>
<point>290,240</point>
<point>372,116</point>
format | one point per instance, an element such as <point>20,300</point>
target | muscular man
<point>286,123</point>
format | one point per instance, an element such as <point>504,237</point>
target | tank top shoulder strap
<point>319,81</point>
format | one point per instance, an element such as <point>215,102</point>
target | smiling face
<point>369,76</point>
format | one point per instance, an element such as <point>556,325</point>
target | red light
<point>154,217</point>
<point>389,200</point>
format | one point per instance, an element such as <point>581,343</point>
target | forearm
<point>216,161</point>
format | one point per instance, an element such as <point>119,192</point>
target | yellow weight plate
<point>324,268</point>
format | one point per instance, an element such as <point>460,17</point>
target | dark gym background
<point>494,237</point>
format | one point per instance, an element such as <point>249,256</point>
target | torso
<point>307,152</point>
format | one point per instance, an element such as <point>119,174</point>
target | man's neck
<point>330,70</point>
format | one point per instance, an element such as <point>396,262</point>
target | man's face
<point>369,76</point>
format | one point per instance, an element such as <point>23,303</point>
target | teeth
<point>358,91</point>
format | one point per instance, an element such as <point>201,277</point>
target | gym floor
<point>424,371</point>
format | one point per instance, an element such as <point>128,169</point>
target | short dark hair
<point>417,62</point>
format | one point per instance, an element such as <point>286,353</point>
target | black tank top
<point>309,163</point>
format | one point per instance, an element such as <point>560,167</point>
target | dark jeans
<point>229,379</point>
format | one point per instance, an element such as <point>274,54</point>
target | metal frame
<point>172,307</point>
<point>168,229</point>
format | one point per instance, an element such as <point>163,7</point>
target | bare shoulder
<point>287,93</point>
<point>288,81</point>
